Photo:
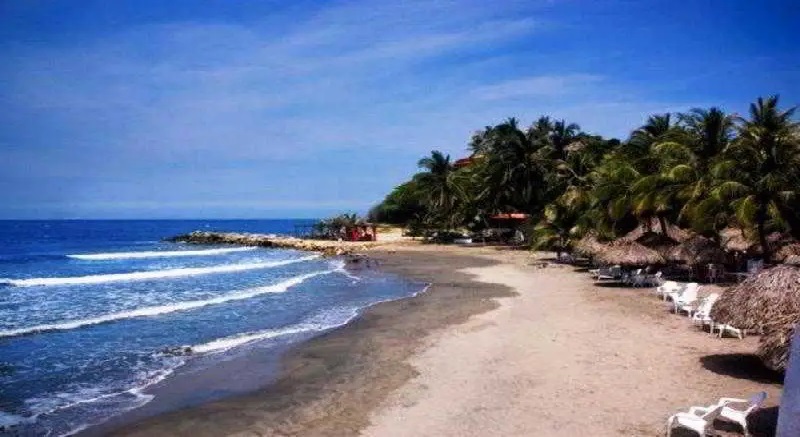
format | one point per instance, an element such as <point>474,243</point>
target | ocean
<point>95,315</point>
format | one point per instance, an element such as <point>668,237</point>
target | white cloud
<point>171,105</point>
<point>537,86</point>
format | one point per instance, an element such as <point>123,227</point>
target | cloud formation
<point>327,104</point>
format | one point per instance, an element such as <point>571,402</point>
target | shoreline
<point>562,357</point>
<point>319,371</point>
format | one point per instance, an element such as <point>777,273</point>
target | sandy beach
<point>499,345</point>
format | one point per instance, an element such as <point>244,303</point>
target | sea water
<point>93,314</point>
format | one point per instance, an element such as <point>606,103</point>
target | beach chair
<point>566,258</point>
<point>702,424</point>
<point>611,274</point>
<point>724,327</point>
<point>655,280</point>
<point>700,316</point>
<point>685,301</point>
<point>668,287</point>
<point>691,288</point>
<point>732,414</point>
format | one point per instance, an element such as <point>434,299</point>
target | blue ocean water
<point>92,313</point>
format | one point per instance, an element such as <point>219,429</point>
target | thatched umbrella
<point>697,250</point>
<point>653,226</point>
<point>786,251</point>
<point>661,243</point>
<point>793,260</point>
<point>589,245</point>
<point>769,300</point>
<point>629,253</point>
<point>733,239</point>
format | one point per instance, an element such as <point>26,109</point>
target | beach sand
<point>497,346</point>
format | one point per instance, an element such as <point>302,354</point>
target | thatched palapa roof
<point>653,226</point>
<point>629,253</point>
<point>697,250</point>
<point>589,245</point>
<point>769,300</point>
<point>733,239</point>
<point>793,260</point>
<point>787,251</point>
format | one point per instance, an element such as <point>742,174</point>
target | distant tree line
<point>704,169</point>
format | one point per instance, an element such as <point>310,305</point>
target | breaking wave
<point>147,275</point>
<point>156,254</point>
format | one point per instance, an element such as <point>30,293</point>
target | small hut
<point>770,301</point>
<point>628,253</point>
<point>697,250</point>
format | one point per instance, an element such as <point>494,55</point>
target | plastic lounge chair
<point>611,274</point>
<point>685,301</point>
<point>724,327</point>
<point>732,414</point>
<point>700,316</point>
<point>682,290</point>
<point>701,424</point>
<point>690,306</point>
<point>655,280</point>
<point>668,287</point>
<point>635,278</point>
<point>685,297</point>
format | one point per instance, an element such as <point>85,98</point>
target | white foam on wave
<point>147,275</point>
<point>165,309</point>
<point>156,254</point>
<point>118,401</point>
<point>322,322</point>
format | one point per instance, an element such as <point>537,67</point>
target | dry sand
<point>496,347</point>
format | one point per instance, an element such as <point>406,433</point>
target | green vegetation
<point>704,170</point>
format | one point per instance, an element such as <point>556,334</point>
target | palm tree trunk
<point>761,218</point>
<point>663,222</point>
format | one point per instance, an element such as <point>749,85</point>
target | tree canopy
<point>704,170</point>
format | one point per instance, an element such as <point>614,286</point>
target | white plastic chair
<point>655,280</point>
<point>700,316</point>
<point>685,298</point>
<point>732,414</point>
<point>702,424</point>
<point>612,273</point>
<point>724,327</point>
<point>667,287</point>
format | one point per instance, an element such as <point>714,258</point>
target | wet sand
<point>497,346</point>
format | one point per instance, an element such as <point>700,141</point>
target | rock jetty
<point>270,240</point>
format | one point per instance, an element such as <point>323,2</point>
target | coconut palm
<point>682,180</point>
<point>512,174</point>
<point>760,171</point>
<point>439,183</point>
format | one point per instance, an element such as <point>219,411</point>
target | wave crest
<point>147,275</point>
<point>155,254</point>
<point>164,309</point>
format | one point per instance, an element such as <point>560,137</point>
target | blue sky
<point>246,109</point>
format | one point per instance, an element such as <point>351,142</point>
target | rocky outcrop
<point>271,240</point>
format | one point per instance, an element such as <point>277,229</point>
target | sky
<point>267,109</point>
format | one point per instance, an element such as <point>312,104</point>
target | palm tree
<point>760,172</point>
<point>440,184</point>
<point>682,179</point>
<point>563,135</point>
<point>512,175</point>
